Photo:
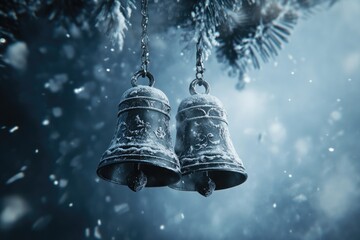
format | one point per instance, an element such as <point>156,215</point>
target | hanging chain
<point>199,80</point>
<point>199,61</point>
<point>143,72</point>
<point>144,37</point>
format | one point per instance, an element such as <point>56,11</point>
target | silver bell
<point>207,156</point>
<point>140,153</point>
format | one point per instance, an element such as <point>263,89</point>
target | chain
<point>144,37</point>
<point>199,80</point>
<point>199,60</point>
<point>143,72</point>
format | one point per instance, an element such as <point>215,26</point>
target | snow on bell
<point>140,153</point>
<point>207,156</point>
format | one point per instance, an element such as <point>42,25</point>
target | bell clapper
<point>206,185</point>
<point>136,180</point>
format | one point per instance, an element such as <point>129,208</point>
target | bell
<point>140,153</point>
<point>207,156</point>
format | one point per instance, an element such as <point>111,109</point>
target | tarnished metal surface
<point>203,145</point>
<point>140,153</point>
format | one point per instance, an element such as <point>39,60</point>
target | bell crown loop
<point>143,74</point>
<point>199,82</point>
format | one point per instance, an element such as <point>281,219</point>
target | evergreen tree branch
<point>257,30</point>
<point>112,19</point>
<point>245,33</point>
<point>66,12</point>
<point>200,19</point>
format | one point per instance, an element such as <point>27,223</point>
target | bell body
<point>140,153</point>
<point>207,156</point>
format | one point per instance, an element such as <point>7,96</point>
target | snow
<point>351,62</point>
<point>87,232</point>
<point>99,125</point>
<point>339,192</point>
<point>69,51</point>
<point>335,115</point>
<point>63,183</point>
<point>121,208</point>
<point>52,177</point>
<point>303,146</point>
<point>300,198</point>
<point>56,83</point>
<point>78,90</point>
<point>41,223</point>
<point>277,132</point>
<point>13,209</point>
<point>13,129</point>
<point>15,178</point>
<point>97,233</point>
<point>57,112</point>
<point>16,55</point>
<point>45,122</point>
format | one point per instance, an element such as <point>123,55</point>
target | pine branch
<point>10,14</point>
<point>311,6</point>
<point>244,32</point>
<point>259,33</point>
<point>257,30</point>
<point>200,19</point>
<point>66,12</point>
<point>112,19</point>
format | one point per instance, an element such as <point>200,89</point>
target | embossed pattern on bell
<point>141,152</point>
<point>203,146</point>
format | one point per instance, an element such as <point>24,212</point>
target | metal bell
<point>207,156</point>
<point>140,153</point>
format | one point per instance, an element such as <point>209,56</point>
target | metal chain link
<point>199,80</point>
<point>144,37</point>
<point>199,60</point>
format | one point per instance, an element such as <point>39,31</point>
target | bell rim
<point>175,171</point>
<point>114,160</point>
<point>210,165</point>
<point>183,185</point>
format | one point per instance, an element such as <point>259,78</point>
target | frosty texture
<point>203,145</point>
<point>141,141</point>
